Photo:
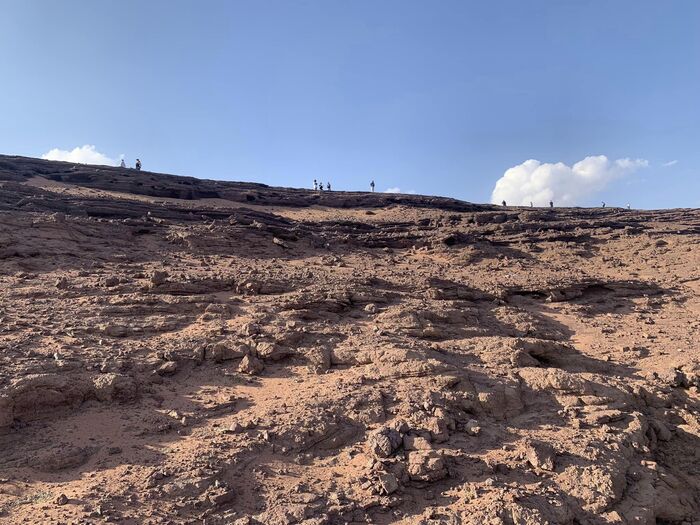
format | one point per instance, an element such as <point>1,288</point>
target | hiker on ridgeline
<point>603,204</point>
<point>371,185</point>
<point>138,164</point>
<point>122,164</point>
<point>551,204</point>
<point>328,186</point>
<point>530,204</point>
<point>628,206</point>
<point>315,185</point>
<point>320,186</point>
<point>504,204</point>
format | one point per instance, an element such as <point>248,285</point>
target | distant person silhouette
<point>138,165</point>
<point>328,186</point>
<point>530,204</point>
<point>551,204</point>
<point>122,164</point>
<point>504,203</point>
<point>371,185</point>
<point>320,186</point>
<point>603,204</point>
<point>628,206</point>
<point>315,185</point>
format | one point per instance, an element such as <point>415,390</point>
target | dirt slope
<point>184,351</point>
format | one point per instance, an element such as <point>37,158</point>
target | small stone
<point>279,242</point>
<point>602,417</point>
<point>235,428</point>
<point>521,359</point>
<point>413,442</point>
<point>111,281</point>
<point>159,277</point>
<point>110,387</point>
<point>400,426</point>
<point>426,466</point>
<point>472,427</point>
<point>437,426</point>
<point>115,330</point>
<point>388,484</point>
<point>540,455</point>
<point>273,351</point>
<point>673,377</point>
<point>226,350</point>
<point>384,442</point>
<point>250,329</point>
<point>221,496</point>
<point>167,369</point>
<point>62,499</point>
<point>251,365</point>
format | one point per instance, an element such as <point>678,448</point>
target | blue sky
<point>433,97</point>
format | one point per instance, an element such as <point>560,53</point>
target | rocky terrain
<point>175,350</point>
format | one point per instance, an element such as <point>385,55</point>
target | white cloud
<point>83,155</point>
<point>537,182</point>
<point>670,163</point>
<point>398,190</point>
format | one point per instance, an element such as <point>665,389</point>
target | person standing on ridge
<point>551,204</point>
<point>138,164</point>
<point>603,204</point>
<point>315,185</point>
<point>371,185</point>
<point>328,186</point>
<point>122,164</point>
<point>320,186</point>
<point>530,204</point>
<point>504,204</point>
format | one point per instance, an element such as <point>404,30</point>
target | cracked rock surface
<point>182,351</point>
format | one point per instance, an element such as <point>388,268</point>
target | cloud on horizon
<point>538,182</point>
<point>86,154</point>
<point>396,189</point>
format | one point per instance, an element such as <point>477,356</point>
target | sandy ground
<point>209,361</point>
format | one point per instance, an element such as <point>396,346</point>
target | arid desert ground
<point>179,351</point>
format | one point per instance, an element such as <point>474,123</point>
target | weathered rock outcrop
<point>174,350</point>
